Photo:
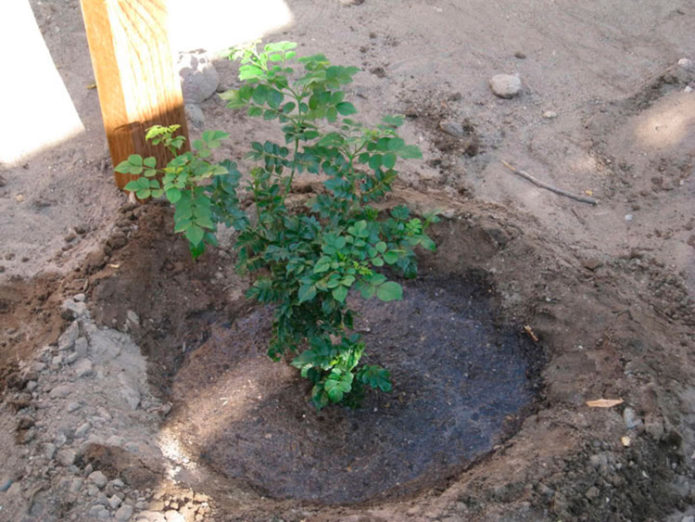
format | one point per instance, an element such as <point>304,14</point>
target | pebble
<point>505,85</point>
<point>689,518</point>
<point>76,485</point>
<point>592,492</point>
<point>31,386</point>
<point>79,298</point>
<point>173,516</point>
<point>49,450</point>
<point>686,63</point>
<point>73,310</point>
<point>195,115</point>
<point>452,128</point>
<point>550,115</point>
<point>71,358</point>
<point>124,513</point>
<point>628,217</point>
<point>631,419</point>
<point>73,406</point>
<point>84,368</point>
<point>60,391</point>
<point>114,501</point>
<point>66,456</point>
<point>82,430</point>
<point>5,484</point>
<point>81,346</point>
<point>199,78</point>
<point>98,478</point>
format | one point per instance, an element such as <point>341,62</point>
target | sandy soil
<point>606,110</point>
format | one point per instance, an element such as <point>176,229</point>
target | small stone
<point>79,298</point>
<point>685,63</point>
<point>520,55</point>
<point>592,493</point>
<point>49,450</point>
<point>68,337</point>
<point>38,367</point>
<point>72,357</point>
<point>592,263</point>
<point>625,441</point>
<point>195,115</point>
<point>76,485</point>
<point>5,484</point>
<point>81,346</point>
<point>72,310</point>
<point>687,88</point>
<point>689,518</point>
<point>82,430</point>
<point>114,501</point>
<point>57,361</point>
<point>124,513</point>
<point>73,406</point>
<point>199,78</point>
<point>98,478</point>
<point>60,391</point>
<point>70,236</point>
<point>31,386</point>
<point>117,483</point>
<point>132,317</point>
<point>173,516</point>
<point>550,115</point>
<point>505,85</point>
<point>84,368</point>
<point>104,514</point>
<point>631,419</point>
<point>66,457</point>
<point>453,128</point>
<point>628,217</point>
<point>19,198</point>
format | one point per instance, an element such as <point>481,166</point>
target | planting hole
<point>461,382</point>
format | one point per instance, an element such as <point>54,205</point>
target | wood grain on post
<point>135,76</point>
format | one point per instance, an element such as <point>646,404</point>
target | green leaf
<point>338,385</point>
<point>340,293</point>
<point>150,162</point>
<point>345,108</point>
<point>322,265</point>
<point>391,257</point>
<point>390,291</point>
<point>306,293</point>
<point>195,234</point>
<point>376,377</point>
<point>249,72</point>
<point>389,160</point>
<point>410,152</point>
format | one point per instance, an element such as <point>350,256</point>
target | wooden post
<point>135,76</point>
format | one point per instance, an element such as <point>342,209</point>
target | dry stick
<point>541,184</point>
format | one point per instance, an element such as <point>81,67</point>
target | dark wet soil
<point>461,385</point>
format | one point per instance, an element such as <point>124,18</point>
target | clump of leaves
<point>303,262</point>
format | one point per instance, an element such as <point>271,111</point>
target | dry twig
<point>551,188</point>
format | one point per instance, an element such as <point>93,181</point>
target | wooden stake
<point>135,76</point>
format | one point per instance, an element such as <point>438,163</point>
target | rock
<point>57,361</point>
<point>195,115</point>
<point>631,419</point>
<point>98,478</point>
<point>505,85</point>
<point>592,493</point>
<point>49,450</point>
<point>76,485</point>
<point>73,406</point>
<point>685,63</point>
<point>79,298</point>
<point>70,359</point>
<point>114,501</point>
<point>628,217</point>
<point>67,339</point>
<point>132,317</point>
<point>72,310</point>
<point>689,518</point>
<point>31,386</point>
<point>60,391</point>
<point>172,515</point>
<point>84,368</point>
<point>129,392</point>
<point>199,78</point>
<point>592,263</point>
<point>124,513</point>
<point>520,55</point>
<point>452,128</point>
<point>149,516</point>
<point>5,484</point>
<point>81,346</point>
<point>66,457</point>
<point>82,430</point>
<point>550,115</point>
<point>351,2</point>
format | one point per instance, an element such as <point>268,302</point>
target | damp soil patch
<point>462,383</point>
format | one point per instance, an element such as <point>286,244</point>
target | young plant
<point>304,262</point>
